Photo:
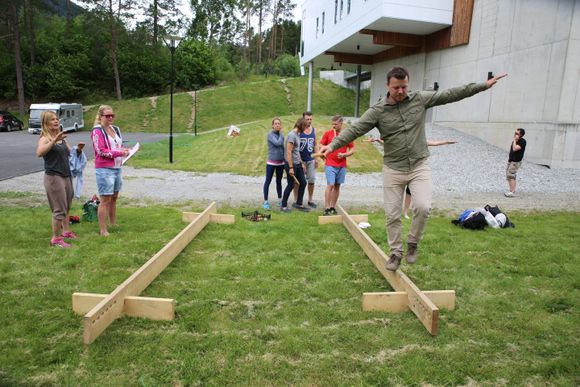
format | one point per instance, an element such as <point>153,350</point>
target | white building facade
<point>452,42</point>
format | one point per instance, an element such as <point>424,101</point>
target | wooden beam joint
<point>396,302</point>
<point>104,309</point>
<point>407,295</point>
<point>143,307</point>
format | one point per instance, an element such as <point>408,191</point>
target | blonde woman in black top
<point>52,146</point>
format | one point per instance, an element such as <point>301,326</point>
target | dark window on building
<point>323,22</point>
<point>335,11</point>
<point>317,26</point>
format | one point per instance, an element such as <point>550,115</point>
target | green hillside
<point>233,104</point>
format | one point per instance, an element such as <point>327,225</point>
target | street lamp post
<point>172,42</point>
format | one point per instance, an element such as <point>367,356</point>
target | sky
<point>185,8</point>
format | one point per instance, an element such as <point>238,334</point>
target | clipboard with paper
<point>132,151</point>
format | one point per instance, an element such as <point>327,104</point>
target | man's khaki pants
<point>420,184</point>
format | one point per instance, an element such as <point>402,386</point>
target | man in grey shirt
<point>294,167</point>
<point>400,119</point>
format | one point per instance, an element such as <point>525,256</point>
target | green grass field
<point>279,302</point>
<point>245,154</point>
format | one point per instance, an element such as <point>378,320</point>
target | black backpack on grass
<point>476,221</point>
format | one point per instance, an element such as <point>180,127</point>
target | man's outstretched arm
<point>493,81</point>
<point>458,93</point>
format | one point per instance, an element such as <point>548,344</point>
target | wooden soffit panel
<point>394,38</point>
<point>395,53</point>
<point>351,58</point>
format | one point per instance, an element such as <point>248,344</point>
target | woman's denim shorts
<point>109,180</point>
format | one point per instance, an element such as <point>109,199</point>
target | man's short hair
<point>522,131</point>
<point>336,118</point>
<point>398,73</point>
<point>306,114</point>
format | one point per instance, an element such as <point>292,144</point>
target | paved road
<point>17,155</point>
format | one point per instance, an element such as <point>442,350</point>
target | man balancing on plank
<point>400,119</point>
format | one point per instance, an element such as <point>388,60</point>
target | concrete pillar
<point>357,91</point>
<point>310,75</point>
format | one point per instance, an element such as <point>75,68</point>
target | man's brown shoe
<point>412,253</point>
<point>393,262</point>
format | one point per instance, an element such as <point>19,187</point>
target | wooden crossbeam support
<point>418,302</point>
<point>337,219</point>
<point>399,301</point>
<point>387,38</point>
<point>112,306</point>
<point>144,307</point>
<point>213,218</point>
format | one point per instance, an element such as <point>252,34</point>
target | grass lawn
<point>279,302</point>
<point>231,104</point>
<point>245,155</point>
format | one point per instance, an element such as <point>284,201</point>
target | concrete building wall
<point>537,42</point>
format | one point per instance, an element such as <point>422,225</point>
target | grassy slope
<point>256,308</point>
<point>232,104</point>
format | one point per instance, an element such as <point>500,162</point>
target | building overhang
<point>382,31</point>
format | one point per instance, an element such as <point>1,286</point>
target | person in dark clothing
<point>294,167</point>
<point>275,162</point>
<point>517,149</point>
<point>52,146</point>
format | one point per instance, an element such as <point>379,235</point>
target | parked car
<point>9,122</point>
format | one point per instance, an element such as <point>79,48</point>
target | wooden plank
<point>444,299</point>
<point>420,304</point>
<point>330,219</point>
<point>111,307</point>
<point>394,302</point>
<point>462,16</point>
<point>399,301</point>
<point>144,307</point>
<point>458,33</point>
<point>213,218</point>
<point>337,219</point>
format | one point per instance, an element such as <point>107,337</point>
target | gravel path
<point>465,175</point>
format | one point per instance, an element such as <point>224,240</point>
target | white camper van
<point>69,114</point>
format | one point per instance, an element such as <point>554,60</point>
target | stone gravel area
<point>468,174</point>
